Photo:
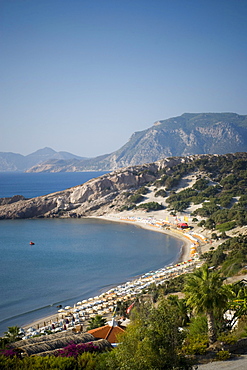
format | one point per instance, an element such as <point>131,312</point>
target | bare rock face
<point>10,200</point>
<point>83,199</point>
<point>188,134</point>
<point>97,196</point>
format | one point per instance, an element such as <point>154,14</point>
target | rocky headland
<point>120,190</point>
<point>99,196</point>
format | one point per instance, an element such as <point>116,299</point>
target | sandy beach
<point>151,221</point>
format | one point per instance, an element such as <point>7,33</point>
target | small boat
<point>31,243</point>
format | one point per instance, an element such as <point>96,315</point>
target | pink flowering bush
<point>74,350</point>
<point>10,352</point>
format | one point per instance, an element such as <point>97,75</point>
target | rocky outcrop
<point>103,194</point>
<point>9,200</point>
<point>95,197</point>
<point>188,134</point>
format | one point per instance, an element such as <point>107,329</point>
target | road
<point>238,363</point>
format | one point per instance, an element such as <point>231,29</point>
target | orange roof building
<point>108,332</point>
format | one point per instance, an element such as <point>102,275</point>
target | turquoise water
<point>70,261</point>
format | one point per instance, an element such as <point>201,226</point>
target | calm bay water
<point>35,184</point>
<point>72,259</point>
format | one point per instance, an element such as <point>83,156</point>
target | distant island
<point>188,134</point>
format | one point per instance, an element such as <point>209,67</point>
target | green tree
<point>151,341</point>
<point>96,322</point>
<point>205,293</point>
<point>182,309</point>
<point>13,334</point>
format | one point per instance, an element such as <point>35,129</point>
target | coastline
<point>185,253</point>
<point>122,218</point>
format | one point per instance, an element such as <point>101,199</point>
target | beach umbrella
<point>67,307</point>
<point>30,329</point>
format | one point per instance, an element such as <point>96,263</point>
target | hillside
<point>17,162</point>
<point>218,197</point>
<point>188,134</point>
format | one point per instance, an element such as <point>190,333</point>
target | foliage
<point>122,307</point>
<point>181,307</point>
<point>151,341</point>
<point>206,210</point>
<point>160,193</point>
<point>96,322</point>
<point>74,350</point>
<point>195,345</point>
<point>10,352</point>
<point>198,326</point>
<point>226,226</point>
<point>37,362</point>
<point>231,262</point>
<point>201,184</point>
<point>151,206</point>
<point>143,190</point>
<point>182,195</point>
<point>135,198</point>
<point>170,286</point>
<point>85,360</point>
<point>223,355</point>
<point>179,206</point>
<point>228,338</point>
<point>13,334</point>
<point>205,293</point>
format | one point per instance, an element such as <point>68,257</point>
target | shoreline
<point>185,252</point>
<point>185,248</point>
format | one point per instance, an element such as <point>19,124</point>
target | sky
<point>83,75</point>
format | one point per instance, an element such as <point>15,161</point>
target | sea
<point>71,259</point>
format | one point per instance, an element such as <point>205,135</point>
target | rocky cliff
<point>109,192</point>
<point>95,197</point>
<point>188,134</point>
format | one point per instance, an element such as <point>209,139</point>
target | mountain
<point>188,134</point>
<point>17,162</point>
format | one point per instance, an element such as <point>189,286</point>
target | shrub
<point>226,226</point>
<point>37,362</point>
<point>160,193</point>
<point>223,355</point>
<point>195,345</point>
<point>201,184</point>
<point>74,350</point>
<point>214,236</point>
<point>135,198</point>
<point>227,338</point>
<point>151,206</point>
<point>143,190</point>
<point>198,327</point>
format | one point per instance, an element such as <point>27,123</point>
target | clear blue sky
<point>83,75</point>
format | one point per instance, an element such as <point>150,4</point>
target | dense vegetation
<point>167,335</point>
<point>231,255</point>
<point>221,191</point>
